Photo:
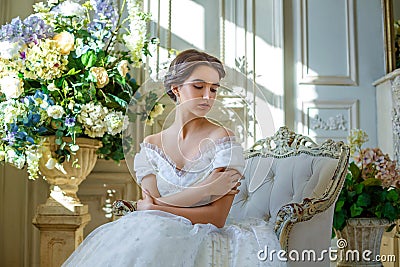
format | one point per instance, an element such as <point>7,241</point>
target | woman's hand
<point>222,182</point>
<point>147,203</point>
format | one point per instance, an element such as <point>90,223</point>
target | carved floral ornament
<point>285,143</point>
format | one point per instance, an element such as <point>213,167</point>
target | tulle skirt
<point>157,238</point>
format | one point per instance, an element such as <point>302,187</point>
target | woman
<point>189,175</point>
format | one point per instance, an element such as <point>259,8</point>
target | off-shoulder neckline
<point>217,142</point>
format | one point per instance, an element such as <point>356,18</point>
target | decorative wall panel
<point>330,119</point>
<point>333,63</point>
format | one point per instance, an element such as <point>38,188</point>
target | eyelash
<point>201,87</point>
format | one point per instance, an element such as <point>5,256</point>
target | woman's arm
<point>215,213</point>
<point>218,183</point>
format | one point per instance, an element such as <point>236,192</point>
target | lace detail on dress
<point>222,143</point>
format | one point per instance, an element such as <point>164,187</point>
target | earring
<point>177,101</point>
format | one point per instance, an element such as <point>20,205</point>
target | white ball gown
<point>157,238</point>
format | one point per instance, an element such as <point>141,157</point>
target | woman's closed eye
<point>201,85</point>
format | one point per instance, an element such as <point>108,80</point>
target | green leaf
<point>392,195</point>
<point>339,205</point>
<point>372,182</point>
<point>118,100</point>
<point>363,200</point>
<point>59,134</point>
<point>358,188</point>
<point>72,72</point>
<point>355,210</point>
<point>89,58</point>
<point>339,221</point>
<point>355,171</point>
<point>389,212</point>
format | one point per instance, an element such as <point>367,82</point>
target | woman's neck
<point>186,123</point>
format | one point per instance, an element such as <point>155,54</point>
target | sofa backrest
<point>271,183</point>
<point>288,168</point>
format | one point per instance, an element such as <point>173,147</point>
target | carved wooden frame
<point>286,143</point>
<point>389,35</point>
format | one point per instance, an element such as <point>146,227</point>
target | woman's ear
<point>175,90</point>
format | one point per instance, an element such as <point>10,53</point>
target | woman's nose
<point>206,94</point>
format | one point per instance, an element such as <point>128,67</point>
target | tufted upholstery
<point>293,184</point>
<point>284,181</point>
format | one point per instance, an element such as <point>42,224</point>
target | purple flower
<point>32,29</point>
<point>10,138</point>
<point>70,121</point>
<point>105,8</point>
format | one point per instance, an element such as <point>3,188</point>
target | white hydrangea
<point>92,117</point>
<point>70,8</point>
<point>8,50</point>
<point>11,86</point>
<point>55,111</point>
<point>114,122</point>
<point>13,158</point>
<point>11,110</point>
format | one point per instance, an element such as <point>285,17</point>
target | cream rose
<point>55,111</point>
<point>11,86</point>
<point>123,68</point>
<point>101,76</point>
<point>65,42</point>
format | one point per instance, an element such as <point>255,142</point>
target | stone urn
<point>360,241</point>
<point>64,180</point>
<point>62,218</point>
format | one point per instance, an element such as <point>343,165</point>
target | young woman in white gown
<point>189,175</point>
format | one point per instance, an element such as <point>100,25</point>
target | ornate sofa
<point>293,182</point>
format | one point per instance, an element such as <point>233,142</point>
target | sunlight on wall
<point>267,99</point>
<point>187,21</point>
<point>307,95</point>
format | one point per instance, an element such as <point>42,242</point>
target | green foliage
<point>361,198</point>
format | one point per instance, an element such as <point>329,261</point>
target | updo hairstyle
<point>184,64</point>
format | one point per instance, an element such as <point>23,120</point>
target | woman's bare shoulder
<point>153,139</point>
<point>218,131</point>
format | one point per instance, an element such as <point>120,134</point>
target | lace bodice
<point>223,152</point>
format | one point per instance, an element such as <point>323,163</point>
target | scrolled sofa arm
<point>122,207</point>
<point>293,213</point>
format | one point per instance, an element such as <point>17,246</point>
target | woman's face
<point>198,92</point>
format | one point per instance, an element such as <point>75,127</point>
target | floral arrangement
<point>64,71</point>
<point>372,186</point>
<point>397,42</point>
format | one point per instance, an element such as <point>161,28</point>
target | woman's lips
<point>204,105</point>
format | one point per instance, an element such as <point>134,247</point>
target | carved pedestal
<point>61,232</point>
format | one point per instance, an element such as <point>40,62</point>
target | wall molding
<point>351,77</point>
<point>336,126</point>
